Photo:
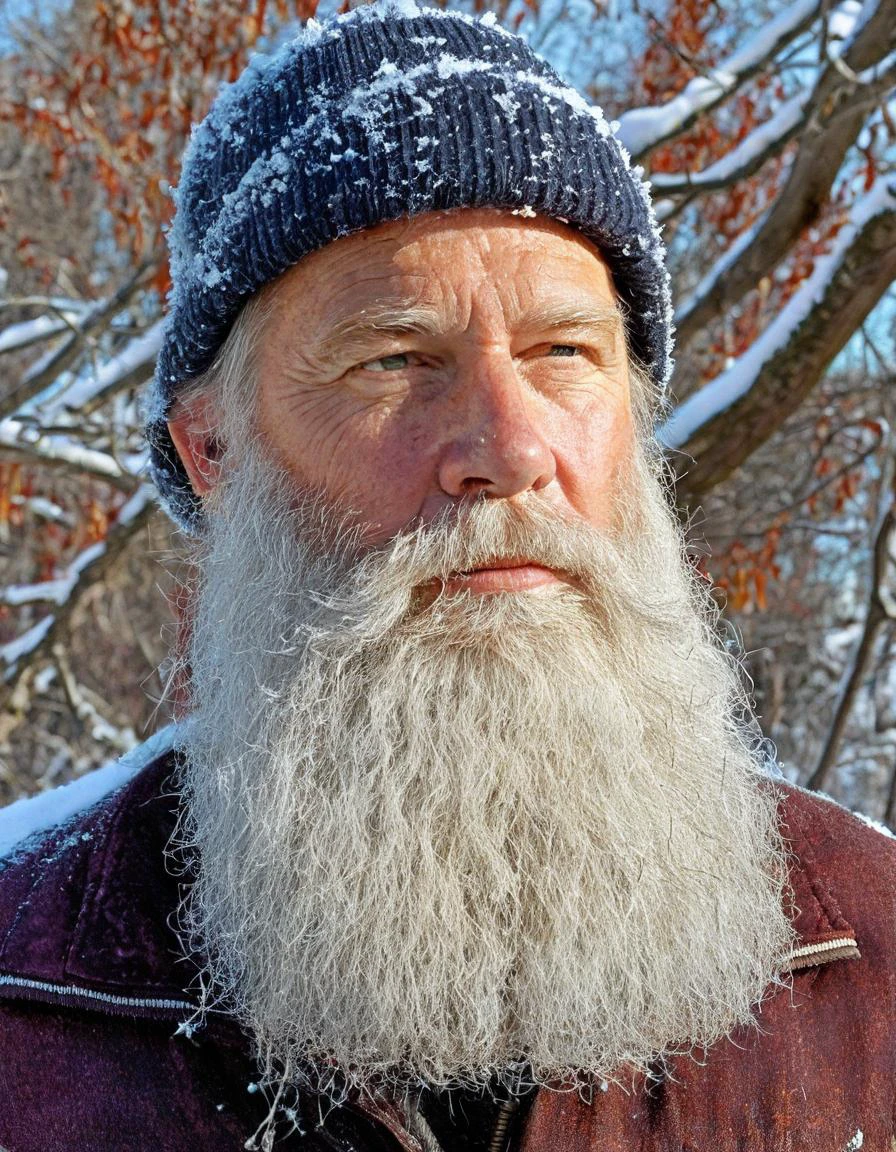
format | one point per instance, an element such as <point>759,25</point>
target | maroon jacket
<point>93,997</point>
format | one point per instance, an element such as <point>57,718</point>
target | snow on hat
<point>387,111</point>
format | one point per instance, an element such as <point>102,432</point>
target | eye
<point>393,363</point>
<point>564,350</point>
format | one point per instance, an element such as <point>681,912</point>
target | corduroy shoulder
<point>844,878</point>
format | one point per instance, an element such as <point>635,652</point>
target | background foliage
<point>769,133</point>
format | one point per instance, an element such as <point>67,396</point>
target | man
<point>467,841</point>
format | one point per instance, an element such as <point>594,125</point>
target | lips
<point>498,565</point>
<point>516,574</point>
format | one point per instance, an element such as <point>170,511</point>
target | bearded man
<point>468,839</point>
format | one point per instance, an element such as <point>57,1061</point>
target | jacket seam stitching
<point>92,994</point>
<point>820,891</point>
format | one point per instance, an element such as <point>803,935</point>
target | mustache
<point>365,591</point>
<point>473,534</point>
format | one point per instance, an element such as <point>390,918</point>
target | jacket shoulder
<point>843,838</point>
<point>26,823</point>
<point>850,863</point>
<point>83,888</point>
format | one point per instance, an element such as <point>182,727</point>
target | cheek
<point>375,458</point>
<point>594,460</point>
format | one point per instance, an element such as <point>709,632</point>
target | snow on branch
<point>727,419</point>
<point>729,257</point>
<point>838,108</point>
<point>88,568</point>
<point>643,129</point>
<point>15,650</point>
<point>19,336</point>
<point>28,443</point>
<point>52,591</point>
<point>742,161</point>
<point>90,325</point>
<point>129,367</point>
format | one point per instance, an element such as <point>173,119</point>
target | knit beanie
<point>385,112</point>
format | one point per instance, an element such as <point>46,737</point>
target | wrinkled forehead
<point>443,267</point>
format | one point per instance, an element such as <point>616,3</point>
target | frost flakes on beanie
<point>388,111</point>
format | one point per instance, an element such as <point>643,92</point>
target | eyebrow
<point>550,316</point>
<point>357,333</point>
<point>360,331</point>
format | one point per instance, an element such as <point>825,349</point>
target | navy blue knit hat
<point>388,111</point>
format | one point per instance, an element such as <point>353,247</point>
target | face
<point>407,368</point>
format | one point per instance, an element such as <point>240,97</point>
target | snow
<point>13,651</point>
<point>852,19</point>
<point>132,508</point>
<point>568,96</point>
<point>641,129</point>
<point>877,71</point>
<point>707,284</point>
<point>882,829</point>
<point>260,68</point>
<point>16,434</point>
<point>44,679</point>
<point>52,591</point>
<point>26,818</point>
<point>777,127</point>
<point>719,394</point>
<point>60,590</point>
<point>876,825</point>
<point>364,104</point>
<point>46,509</point>
<point>842,20</point>
<point>141,352</point>
<point>30,331</point>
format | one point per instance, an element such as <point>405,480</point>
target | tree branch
<point>730,417</point>
<point>741,162</point>
<point>60,452</point>
<point>837,112</point>
<point>644,129</point>
<point>95,563</point>
<point>878,612</point>
<point>94,322</point>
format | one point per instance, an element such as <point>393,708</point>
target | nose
<point>498,447</point>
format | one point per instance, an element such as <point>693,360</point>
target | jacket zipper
<point>506,1111</point>
<point>91,994</point>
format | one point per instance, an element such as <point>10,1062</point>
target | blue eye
<point>393,363</point>
<point>563,350</point>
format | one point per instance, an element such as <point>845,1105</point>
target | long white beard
<point>436,840</point>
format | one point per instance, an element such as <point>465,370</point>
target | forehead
<point>449,262</point>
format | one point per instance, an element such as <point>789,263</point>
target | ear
<point>194,427</point>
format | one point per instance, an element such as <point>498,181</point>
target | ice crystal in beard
<point>438,836</point>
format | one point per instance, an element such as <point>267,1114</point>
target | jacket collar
<point>87,917</point>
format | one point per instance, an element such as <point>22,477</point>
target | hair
<point>232,377</point>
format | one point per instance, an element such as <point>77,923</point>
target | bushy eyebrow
<point>356,334</point>
<point>359,332</point>
<point>551,316</point>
